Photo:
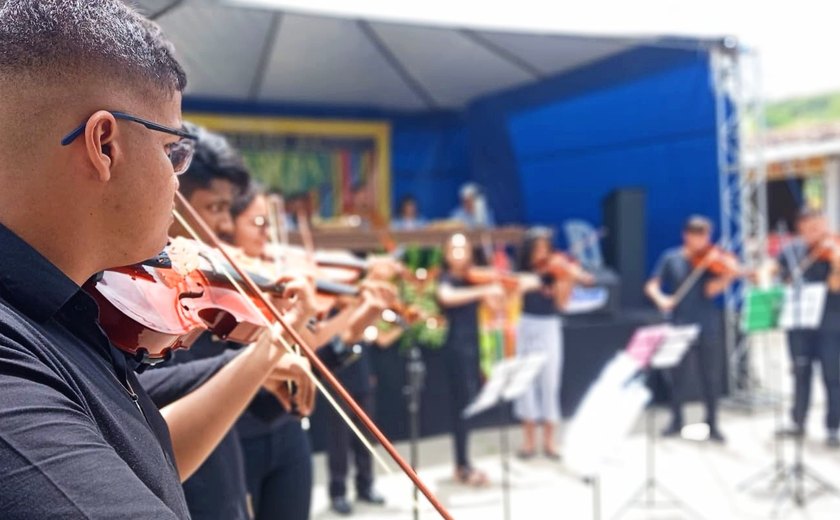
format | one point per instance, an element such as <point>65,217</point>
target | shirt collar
<point>30,282</point>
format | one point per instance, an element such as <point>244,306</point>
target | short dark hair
<point>60,37</point>
<point>214,159</point>
<point>698,224</point>
<point>404,201</point>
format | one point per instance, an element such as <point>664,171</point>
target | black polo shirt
<point>76,441</point>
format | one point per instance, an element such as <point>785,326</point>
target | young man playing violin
<point>81,438</point>
<point>814,257</point>
<point>693,302</point>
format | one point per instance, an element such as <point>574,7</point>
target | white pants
<point>541,335</point>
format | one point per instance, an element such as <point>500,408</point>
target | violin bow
<point>279,239</point>
<point>314,360</point>
<point>693,278</point>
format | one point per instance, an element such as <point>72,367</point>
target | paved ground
<point>704,476</point>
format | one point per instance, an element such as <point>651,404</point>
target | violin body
<point>717,261</point>
<point>488,275</point>
<point>561,266</point>
<point>148,312</point>
<point>826,250</point>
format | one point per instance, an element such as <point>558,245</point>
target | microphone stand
<point>416,375</point>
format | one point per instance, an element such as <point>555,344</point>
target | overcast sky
<point>798,41</point>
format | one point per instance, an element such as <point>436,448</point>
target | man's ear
<point>101,144</point>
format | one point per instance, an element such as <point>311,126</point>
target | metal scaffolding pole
<point>743,195</point>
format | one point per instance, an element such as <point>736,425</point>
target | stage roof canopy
<point>250,54</point>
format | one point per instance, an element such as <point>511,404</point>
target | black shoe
<point>341,506</point>
<point>672,431</point>
<point>794,432</point>
<point>525,454</point>
<point>716,436</point>
<point>833,440</point>
<point>371,497</point>
<point>552,455</point>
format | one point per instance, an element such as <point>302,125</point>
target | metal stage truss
<point>743,197</point>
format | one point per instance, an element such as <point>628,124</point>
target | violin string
<point>282,340</point>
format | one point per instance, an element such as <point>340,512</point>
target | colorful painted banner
<point>333,163</point>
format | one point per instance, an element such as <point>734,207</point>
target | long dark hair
<point>525,259</point>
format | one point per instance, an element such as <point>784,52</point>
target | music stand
<point>604,419</point>
<point>760,315</point>
<point>803,308</point>
<point>509,380</point>
<point>416,374</point>
<point>673,346</point>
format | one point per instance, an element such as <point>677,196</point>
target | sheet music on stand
<point>804,310</point>
<point>509,379</point>
<point>612,406</point>
<point>674,346</point>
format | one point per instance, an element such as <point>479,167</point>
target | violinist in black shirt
<point>459,300</point>
<point>814,257</point>
<point>692,303</point>
<point>91,143</point>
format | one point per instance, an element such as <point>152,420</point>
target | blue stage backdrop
<point>643,119</point>
<point>551,151</point>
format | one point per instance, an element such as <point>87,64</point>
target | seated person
<point>473,211</point>
<point>408,218</point>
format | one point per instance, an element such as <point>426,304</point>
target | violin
<point>486,275</point>
<point>336,266</point>
<point>826,250</point>
<point>561,266</point>
<point>150,311</point>
<point>717,261</point>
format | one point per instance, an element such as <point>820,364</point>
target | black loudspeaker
<point>625,242</point>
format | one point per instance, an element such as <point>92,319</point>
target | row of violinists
<point>354,305</point>
<point>103,415</point>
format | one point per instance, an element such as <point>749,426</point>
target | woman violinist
<point>540,332</point>
<point>278,455</point>
<point>459,300</point>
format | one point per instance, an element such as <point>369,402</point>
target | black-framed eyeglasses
<point>180,153</point>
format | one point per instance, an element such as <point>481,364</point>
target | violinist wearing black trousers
<point>697,306</point>
<point>95,88</point>
<point>459,301</point>
<point>817,259</point>
<point>277,453</point>
<point>359,380</point>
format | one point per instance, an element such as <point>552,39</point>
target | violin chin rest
<point>161,261</point>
